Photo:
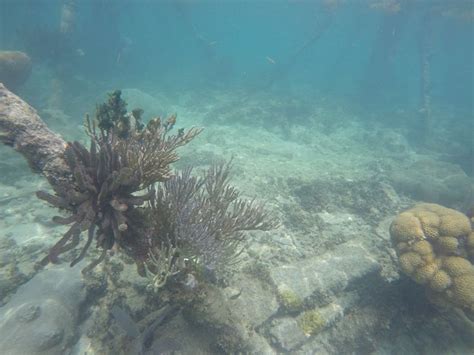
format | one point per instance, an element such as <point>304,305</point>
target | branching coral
<point>124,194</point>
<point>201,221</point>
<point>121,161</point>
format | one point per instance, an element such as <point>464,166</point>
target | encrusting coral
<point>124,194</point>
<point>435,248</point>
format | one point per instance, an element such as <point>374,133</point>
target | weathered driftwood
<point>23,129</point>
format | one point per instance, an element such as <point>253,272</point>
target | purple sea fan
<point>203,218</point>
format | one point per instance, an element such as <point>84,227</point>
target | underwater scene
<point>236,177</point>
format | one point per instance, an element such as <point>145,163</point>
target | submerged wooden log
<point>22,128</point>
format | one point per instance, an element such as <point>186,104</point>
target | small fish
<point>80,52</point>
<point>270,60</point>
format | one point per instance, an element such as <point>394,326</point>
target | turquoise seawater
<point>338,115</point>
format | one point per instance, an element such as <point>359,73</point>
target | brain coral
<point>435,248</point>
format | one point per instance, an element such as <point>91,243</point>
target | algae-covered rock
<point>311,322</point>
<point>317,280</point>
<point>289,300</point>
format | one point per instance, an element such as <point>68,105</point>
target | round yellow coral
<point>440,281</point>
<point>447,245</point>
<point>454,224</point>
<point>406,227</point>
<point>429,222</point>
<point>422,247</point>
<point>402,247</point>
<point>409,262</point>
<point>432,207</point>
<point>429,258</point>
<point>425,273</point>
<point>434,245</point>
<point>457,266</point>
<point>463,290</point>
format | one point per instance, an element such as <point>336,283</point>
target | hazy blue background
<point>357,52</point>
<point>166,43</point>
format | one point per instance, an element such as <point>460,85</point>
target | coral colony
<point>435,247</point>
<point>124,194</point>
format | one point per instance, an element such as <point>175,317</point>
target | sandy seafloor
<point>335,182</point>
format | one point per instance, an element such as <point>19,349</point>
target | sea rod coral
<point>123,194</point>
<point>200,221</point>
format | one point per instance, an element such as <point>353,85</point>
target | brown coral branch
<point>90,237</point>
<point>95,262</point>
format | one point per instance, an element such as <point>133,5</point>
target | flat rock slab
<point>250,302</point>
<point>286,333</point>
<point>319,279</point>
<point>41,317</point>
